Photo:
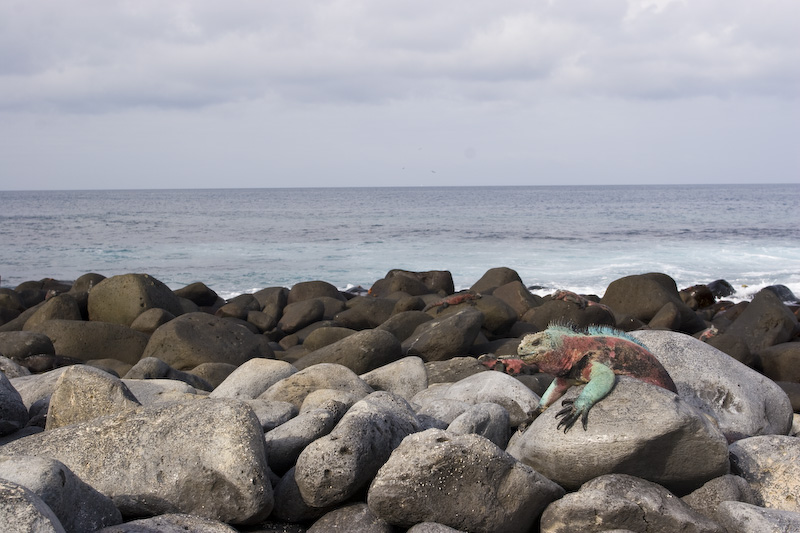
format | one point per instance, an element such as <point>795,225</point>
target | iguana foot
<point>571,414</point>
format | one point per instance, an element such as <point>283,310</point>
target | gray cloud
<point>107,55</point>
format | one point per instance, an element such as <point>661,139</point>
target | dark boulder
<point>197,338</point>
<point>445,337</point>
<point>198,293</point>
<point>94,340</point>
<point>434,282</point>
<point>403,324</point>
<point>518,297</point>
<point>300,314</point>
<point>766,321</point>
<point>365,312</point>
<point>307,290</point>
<point>62,306</point>
<point>568,312</point>
<point>120,299</point>
<point>494,278</point>
<point>721,288</point>
<point>360,352</point>
<point>697,297</point>
<point>18,345</point>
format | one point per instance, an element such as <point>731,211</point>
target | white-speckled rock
<point>744,402</point>
<point>771,465</point>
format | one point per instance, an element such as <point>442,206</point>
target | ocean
<point>237,241</point>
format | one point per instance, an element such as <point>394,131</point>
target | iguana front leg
<point>600,383</point>
<point>555,391</point>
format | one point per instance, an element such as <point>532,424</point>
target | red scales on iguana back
<point>593,357</point>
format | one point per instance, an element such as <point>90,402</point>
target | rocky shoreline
<point>129,407</point>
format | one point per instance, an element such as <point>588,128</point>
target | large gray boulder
<point>22,511</point>
<point>493,387</point>
<point>744,402</point>
<point>446,337</point>
<point>353,518</point>
<point>766,321</point>
<point>739,517</point>
<point>83,393</point>
<point>462,481</point>
<point>13,413</point>
<point>78,506</point>
<point>727,488</point>
<point>295,388</point>
<point>37,387</point>
<point>771,465</point>
<point>360,352</point>
<point>196,338</point>
<point>622,502</point>
<point>284,443</point>
<point>405,377</point>
<point>205,458</point>
<point>252,378</point>
<point>638,429</point>
<point>488,420</point>
<point>334,467</point>
<point>171,523</point>
<point>94,340</point>
<point>120,299</point>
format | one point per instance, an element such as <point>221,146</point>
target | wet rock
<point>405,377</point>
<point>743,402</point>
<point>638,429</point>
<point>771,465</point>
<point>22,510</point>
<point>285,442</point>
<point>619,501</point>
<point>333,468</point>
<point>446,337</point>
<point>13,413</point>
<point>83,393</point>
<point>739,517</point>
<point>360,352</point>
<point>139,459</point>
<point>196,338</point>
<point>296,387</point>
<point>252,378</point>
<point>462,481</point>
<point>721,288</point>
<point>120,299</point>
<point>78,506</point>
<point>722,489</point>
<point>94,340</point>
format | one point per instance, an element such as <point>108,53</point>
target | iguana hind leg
<point>601,381</point>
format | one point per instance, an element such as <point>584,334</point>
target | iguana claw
<point>571,415</point>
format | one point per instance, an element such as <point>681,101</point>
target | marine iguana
<point>593,357</point>
<point>455,299</point>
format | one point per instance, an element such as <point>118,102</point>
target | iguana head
<point>537,345</point>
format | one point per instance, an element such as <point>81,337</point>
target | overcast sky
<point>264,93</point>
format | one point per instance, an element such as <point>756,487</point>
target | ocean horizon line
<point>415,187</point>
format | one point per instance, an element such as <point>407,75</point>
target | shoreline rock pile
<point>129,407</point>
